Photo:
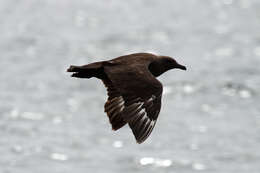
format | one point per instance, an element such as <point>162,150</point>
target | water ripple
<point>59,156</point>
<point>15,113</point>
<point>257,51</point>
<point>198,166</point>
<point>155,162</point>
<point>57,120</point>
<point>17,149</point>
<point>167,90</point>
<point>188,89</point>
<point>118,144</point>
<point>32,115</point>
<point>231,89</point>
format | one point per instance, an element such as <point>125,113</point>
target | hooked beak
<point>181,67</point>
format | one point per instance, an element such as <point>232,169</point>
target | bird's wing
<point>139,102</point>
<point>114,105</point>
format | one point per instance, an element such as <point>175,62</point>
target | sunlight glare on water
<point>155,162</point>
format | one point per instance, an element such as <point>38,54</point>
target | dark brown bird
<point>134,93</point>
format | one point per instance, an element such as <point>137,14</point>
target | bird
<point>134,93</point>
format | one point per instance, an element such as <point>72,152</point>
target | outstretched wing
<point>142,115</point>
<point>139,97</point>
<point>114,106</point>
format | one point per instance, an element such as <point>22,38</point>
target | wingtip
<point>139,142</point>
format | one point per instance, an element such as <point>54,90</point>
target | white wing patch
<point>136,116</point>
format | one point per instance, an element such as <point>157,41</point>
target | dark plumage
<point>134,94</point>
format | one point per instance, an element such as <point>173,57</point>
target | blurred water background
<point>210,118</point>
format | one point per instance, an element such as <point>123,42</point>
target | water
<point>210,118</point>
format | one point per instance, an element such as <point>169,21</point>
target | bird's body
<point>134,93</point>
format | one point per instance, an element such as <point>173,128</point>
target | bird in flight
<point>134,93</point>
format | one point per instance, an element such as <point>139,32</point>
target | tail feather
<point>87,71</point>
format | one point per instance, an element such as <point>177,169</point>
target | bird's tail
<point>87,71</point>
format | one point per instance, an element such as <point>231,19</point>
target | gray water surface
<point>210,117</point>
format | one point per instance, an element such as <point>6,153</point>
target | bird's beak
<point>181,67</point>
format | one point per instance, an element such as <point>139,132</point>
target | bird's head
<point>170,63</point>
<point>163,64</point>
